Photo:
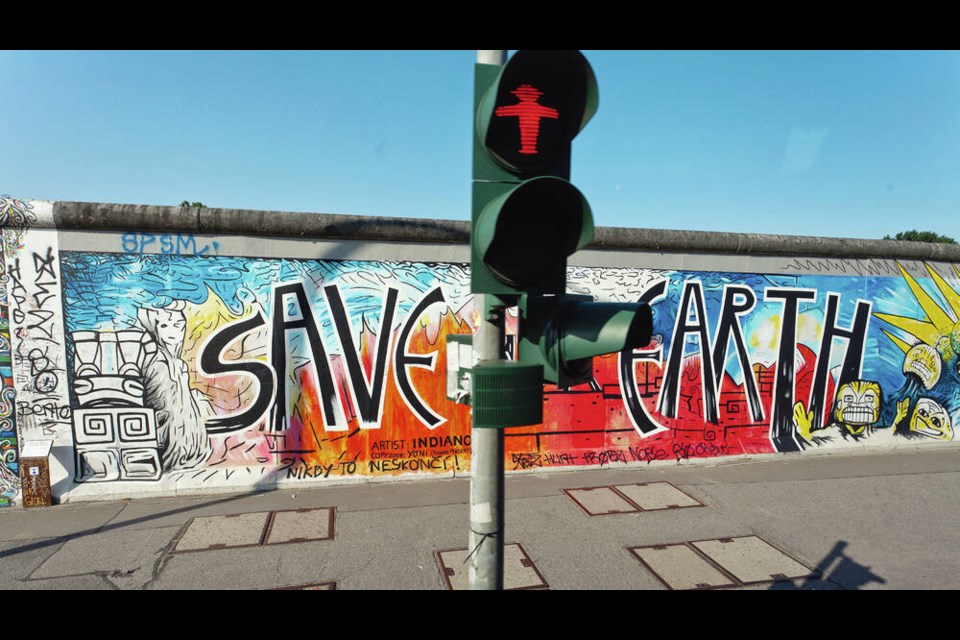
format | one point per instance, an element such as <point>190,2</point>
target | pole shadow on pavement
<point>836,568</point>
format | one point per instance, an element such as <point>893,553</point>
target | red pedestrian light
<point>527,218</point>
<point>528,112</point>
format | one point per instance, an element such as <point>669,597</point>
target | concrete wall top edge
<point>119,217</point>
<point>116,217</point>
<point>671,241</point>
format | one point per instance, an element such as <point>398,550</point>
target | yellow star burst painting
<point>933,341</point>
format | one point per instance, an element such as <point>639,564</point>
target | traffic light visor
<point>525,235</point>
<point>566,332</point>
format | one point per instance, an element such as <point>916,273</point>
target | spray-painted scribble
<point>180,244</point>
<point>34,316</point>
<point>37,338</point>
<point>16,216</point>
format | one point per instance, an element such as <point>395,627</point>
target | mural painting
<point>301,368</point>
<point>197,369</point>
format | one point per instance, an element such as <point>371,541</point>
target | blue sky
<point>848,143</point>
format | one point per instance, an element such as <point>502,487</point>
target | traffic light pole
<point>526,220</point>
<point>485,562</point>
<point>491,56</point>
<point>485,559</point>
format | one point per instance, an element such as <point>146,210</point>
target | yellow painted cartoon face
<point>931,420</point>
<point>857,405</point>
<point>924,361</point>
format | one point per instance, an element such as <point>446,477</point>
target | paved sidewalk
<point>861,521</point>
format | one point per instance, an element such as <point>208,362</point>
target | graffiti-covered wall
<point>172,361</point>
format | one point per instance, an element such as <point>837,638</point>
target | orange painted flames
<point>383,450</point>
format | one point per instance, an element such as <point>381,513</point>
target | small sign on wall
<point>35,473</point>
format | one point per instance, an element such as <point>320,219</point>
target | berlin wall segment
<point>172,360</point>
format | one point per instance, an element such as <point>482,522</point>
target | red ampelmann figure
<point>529,113</point>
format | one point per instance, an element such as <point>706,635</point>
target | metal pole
<point>485,559</point>
<point>491,56</point>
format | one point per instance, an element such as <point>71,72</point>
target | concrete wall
<point>168,350</point>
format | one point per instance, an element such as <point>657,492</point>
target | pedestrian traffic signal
<point>527,219</point>
<point>565,332</point>
<point>531,111</point>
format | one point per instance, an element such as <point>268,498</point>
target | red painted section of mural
<point>402,443</point>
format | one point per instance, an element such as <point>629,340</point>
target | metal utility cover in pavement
<point>600,500</point>
<point>656,495</point>
<point>519,572</point>
<point>751,559</point>
<point>300,525</point>
<point>680,567</point>
<point>219,532</point>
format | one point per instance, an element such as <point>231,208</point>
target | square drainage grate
<point>631,498</point>
<point>750,559</point>
<point>300,525</point>
<point>222,532</point>
<point>680,567</point>
<point>598,501</point>
<point>253,529</point>
<point>652,496</point>
<point>519,572</point>
<point>718,563</point>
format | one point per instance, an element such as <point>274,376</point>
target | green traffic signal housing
<point>565,332</point>
<point>527,219</point>
<point>523,236</point>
